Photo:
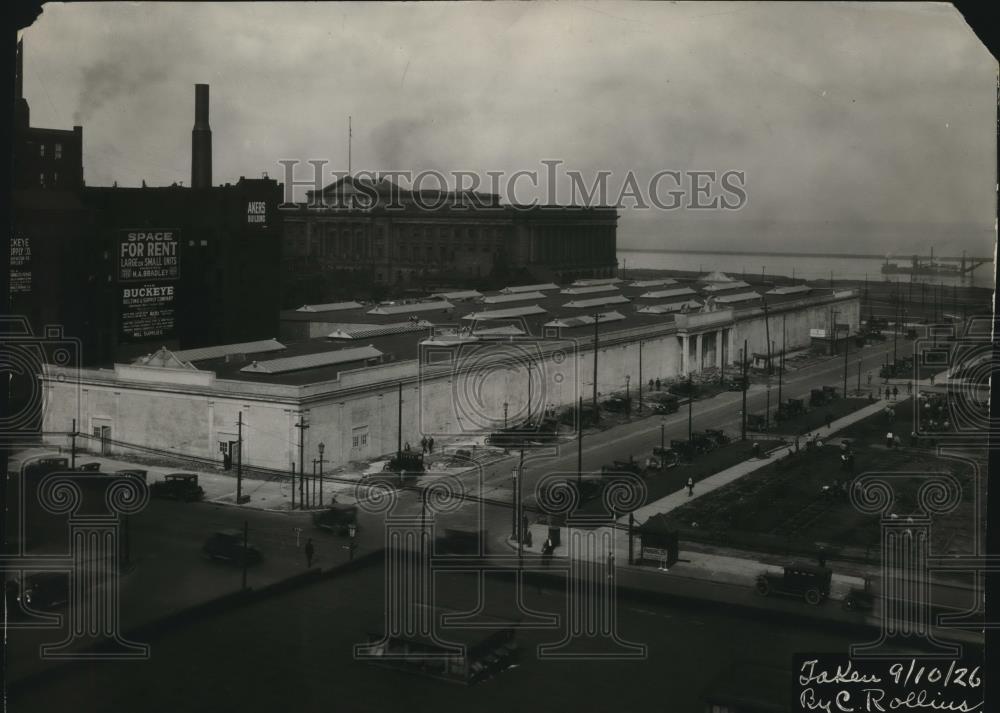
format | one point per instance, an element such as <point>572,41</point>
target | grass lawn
<point>783,507</point>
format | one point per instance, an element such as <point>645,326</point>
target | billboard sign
<point>147,277</point>
<point>20,266</point>
<point>147,255</point>
<point>257,214</point>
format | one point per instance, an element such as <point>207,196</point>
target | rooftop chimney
<point>201,140</point>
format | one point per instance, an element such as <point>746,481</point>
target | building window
<point>41,180</point>
<point>41,149</point>
<point>58,151</point>
<point>55,177</point>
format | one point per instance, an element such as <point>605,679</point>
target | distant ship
<point>928,267</point>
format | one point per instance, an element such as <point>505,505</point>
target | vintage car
<point>178,486</point>
<point>337,519</point>
<point>808,581</point>
<point>408,462</point>
<point>227,545</point>
<point>665,403</point>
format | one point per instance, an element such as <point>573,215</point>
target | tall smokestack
<point>201,140</point>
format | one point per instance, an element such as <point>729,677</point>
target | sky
<point>857,128</point>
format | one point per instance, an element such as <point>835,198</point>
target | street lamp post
<point>513,509</point>
<point>505,406</point>
<point>628,396</point>
<point>690,406</point>
<point>321,447</point>
<point>640,377</point>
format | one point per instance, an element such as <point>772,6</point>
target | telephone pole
<point>597,413</point>
<point>847,348</point>
<point>743,420</point>
<point>579,442</point>
<point>690,405</point>
<point>239,458</point>
<point>399,428</point>
<point>781,361</point>
<point>302,425</point>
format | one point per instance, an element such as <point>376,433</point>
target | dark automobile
<point>44,591</point>
<point>793,408</point>
<point>615,404</point>
<point>528,433</point>
<point>178,486</point>
<point>227,545</point>
<point>737,383</point>
<point>337,519</point>
<point>808,581</point>
<point>666,403</point>
<point>410,462</point>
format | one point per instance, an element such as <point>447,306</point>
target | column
<point>719,345</point>
<point>684,354</point>
<point>697,352</point>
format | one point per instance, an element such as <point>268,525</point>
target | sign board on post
<point>817,333</point>
<point>147,275</point>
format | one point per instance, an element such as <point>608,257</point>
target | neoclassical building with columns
<point>452,365</point>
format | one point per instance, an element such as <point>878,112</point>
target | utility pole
<point>239,458</point>
<point>579,442</point>
<point>597,413</point>
<point>302,425</point>
<point>847,348</point>
<point>767,334</point>
<point>72,447</point>
<point>743,423</point>
<point>663,435</point>
<point>321,448</point>
<point>859,376</point>
<point>640,377</point>
<point>690,405</point>
<point>520,523</point>
<point>399,429</point>
<point>781,363</point>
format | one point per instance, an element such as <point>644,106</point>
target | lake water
<point>809,268</point>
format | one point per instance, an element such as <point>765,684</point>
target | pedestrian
<point>547,550</point>
<point>423,444</point>
<point>309,553</point>
<point>690,487</point>
<point>932,379</point>
<point>821,557</point>
<point>888,440</point>
<point>909,388</point>
<point>756,449</point>
<point>430,444</point>
<point>796,444</point>
<point>829,420</point>
<point>869,378</point>
<point>406,446</point>
<point>895,392</point>
<point>657,384</point>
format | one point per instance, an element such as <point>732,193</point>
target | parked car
<point>44,591</point>
<point>409,461</point>
<point>615,404</point>
<point>178,486</point>
<point>666,403</point>
<point>808,581</point>
<point>337,519</point>
<point>227,545</point>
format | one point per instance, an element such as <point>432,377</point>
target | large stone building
<point>392,236</point>
<point>461,363</point>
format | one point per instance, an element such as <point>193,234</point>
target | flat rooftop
<point>363,334</point>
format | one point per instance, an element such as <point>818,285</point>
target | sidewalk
<point>273,494</point>
<point>724,477</point>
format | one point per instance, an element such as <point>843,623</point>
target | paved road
<point>294,652</point>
